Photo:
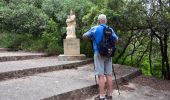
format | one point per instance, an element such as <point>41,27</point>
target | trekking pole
<point>115,79</point>
<point>95,77</point>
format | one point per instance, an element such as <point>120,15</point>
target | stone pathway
<point>10,54</point>
<point>14,56</point>
<point>33,63</point>
<point>46,85</point>
<point>56,85</point>
<point>46,78</point>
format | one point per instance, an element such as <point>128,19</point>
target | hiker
<point>103,65</point>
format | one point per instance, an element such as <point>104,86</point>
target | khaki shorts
<point>103,65</point>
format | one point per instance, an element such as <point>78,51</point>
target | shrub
<point>13,40</point>
<point>23,18</point>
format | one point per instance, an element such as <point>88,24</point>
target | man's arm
<point>84,36</point>
<point>115,37</point>
<point>89,33</point>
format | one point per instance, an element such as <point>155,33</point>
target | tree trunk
<point>163,63</point>
<point>124,49</point>
<point>166,59</point>
<point>150,54</point>
<point>140,58</point>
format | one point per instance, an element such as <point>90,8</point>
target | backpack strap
<point>104,26</point>
<point>103,34</point>
<point>93,38</point>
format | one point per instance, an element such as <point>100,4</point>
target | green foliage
<point>58,10</point>
<point>23,18</point>
<point>86,48</point>
<point>32,45</point>
<point>13,40</point>
<point>50,42</point>
<point>156,69</point>
<point>6,39</point>
<point>51,39</point>
<point>145,68</point>
<point>38,3</point>
<point>2,4</point>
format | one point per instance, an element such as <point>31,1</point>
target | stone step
<point>69,84</point>
<point>85,81</point>
<point>17,69</point>
<point>13,56</point>
<point>3,49</point>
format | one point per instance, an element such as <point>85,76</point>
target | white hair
<point>102,17</point>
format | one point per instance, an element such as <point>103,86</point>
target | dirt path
<point>143,88</point>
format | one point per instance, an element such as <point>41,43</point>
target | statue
<point>71,43</point>
<point>71,25</point>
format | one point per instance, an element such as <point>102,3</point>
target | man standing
<point>103,65</point>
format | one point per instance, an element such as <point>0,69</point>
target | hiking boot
<point>98,98</point>
<point>108,97</point>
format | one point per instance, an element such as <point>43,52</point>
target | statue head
<point>71,12</point>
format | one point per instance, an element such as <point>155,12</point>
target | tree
<point>159,24</point>
<point>23,18</point>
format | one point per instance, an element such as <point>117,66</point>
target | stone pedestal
<point>71,46</point>
<point>71,50</point>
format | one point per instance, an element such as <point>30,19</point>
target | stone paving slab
<point>14,69</point>
<point>13,56</point>
<point>57,85</point>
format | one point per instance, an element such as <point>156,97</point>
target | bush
<point>6,39</point>
<point>51,38</point>
<point>13,40</point>
<point>23,18</point>
<point>49,41</point>
<point>32,45</point>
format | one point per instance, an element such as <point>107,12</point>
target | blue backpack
<point>107,46</point>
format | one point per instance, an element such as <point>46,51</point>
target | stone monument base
<point>71,46</point>
<point>71,50</point>
<point>71,57</point>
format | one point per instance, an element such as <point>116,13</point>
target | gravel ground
<point>142,88</point>
<point>155,83</point>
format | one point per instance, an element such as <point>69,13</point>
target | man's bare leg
<point>101,85</point>
<point>109,85</point>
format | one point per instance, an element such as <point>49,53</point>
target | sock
<point>102,97</point>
